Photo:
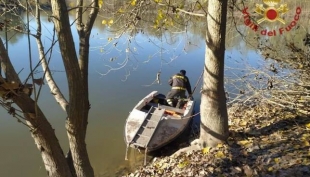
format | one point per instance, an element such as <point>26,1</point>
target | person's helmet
<point>183,72</point>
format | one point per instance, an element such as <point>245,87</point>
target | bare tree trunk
<point>77,74</point>
<point>214,118</point>
<point>41,130</point>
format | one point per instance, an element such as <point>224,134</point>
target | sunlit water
<point>112,96</point>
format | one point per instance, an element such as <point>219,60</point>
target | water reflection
<point>112,95</point>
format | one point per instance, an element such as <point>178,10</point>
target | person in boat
<point>179,84</point>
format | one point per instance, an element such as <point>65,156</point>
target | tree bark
<point>41,130</point>
<point>59,97</point>
<point>214,118</point>
<point>77,75</point>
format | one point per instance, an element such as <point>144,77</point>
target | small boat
<point>152,123</point>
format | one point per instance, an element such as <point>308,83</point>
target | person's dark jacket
<point>179,81</point>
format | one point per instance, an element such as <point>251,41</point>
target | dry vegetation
<point>265,140</point>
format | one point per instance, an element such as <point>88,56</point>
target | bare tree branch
<point>59,97</point>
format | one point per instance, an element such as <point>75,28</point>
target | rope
<point>189,117</point>
<point>197,82</point>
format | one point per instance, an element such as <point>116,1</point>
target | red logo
<point>270,12</point>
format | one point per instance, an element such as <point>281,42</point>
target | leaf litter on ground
<point>265,140</point>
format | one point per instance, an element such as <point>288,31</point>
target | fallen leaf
<point>219,154</point>
<point>276,160</point>
<point>164,165</point>
<point>243,142</point>
<point>247,170</point>
<point>183,164</point>
<point>243,123</point>
<point>206,150</point>
<point>220,145</point>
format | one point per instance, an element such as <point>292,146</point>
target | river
<point>112,96</point>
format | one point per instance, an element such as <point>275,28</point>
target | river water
<point>112,95</point>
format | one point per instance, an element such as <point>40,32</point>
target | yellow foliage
<point>111,22</point>
<point>219,154</point>
<point>105,22</point>
<point>206,150</point>
<point>243,142</point>
<point>160,15</point>
<point>157,165</point>
<point>305,136</point>
<point>100,2</point>
<point>220,145</point>
<point>156,22</point>
<point>308,125</point>
<point>243,123</point>
<point>183,164</point>
<point>133,2</point>
<point>120,10</point>
<point>276,160</point>
<point>160,171</point>
<point>110,39</point>
<point>157,1</point>
<point>306,143</point>
<point>270,169</point>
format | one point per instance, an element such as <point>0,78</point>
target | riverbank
<point>265,140</point>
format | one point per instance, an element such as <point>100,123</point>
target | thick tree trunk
<point>78,92</point>
<point>41,130</point>
<point>214,119</point>
<point>44,136</point>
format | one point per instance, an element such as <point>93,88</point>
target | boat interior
<point>160,102</point>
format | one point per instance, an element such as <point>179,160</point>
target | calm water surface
<point>112,96</point>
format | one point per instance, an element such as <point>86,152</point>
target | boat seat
<point>169,108</point>
<point>181,111</point>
